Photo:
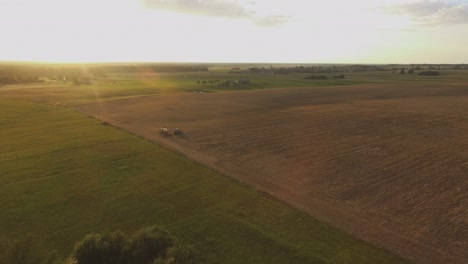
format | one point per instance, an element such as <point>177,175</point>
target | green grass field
<point>122,86</point>
<point>119,86</point>
<point>64,175</point>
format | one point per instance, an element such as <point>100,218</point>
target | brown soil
<point>388,164</point>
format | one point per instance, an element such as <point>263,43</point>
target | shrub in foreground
<point>149,245</point>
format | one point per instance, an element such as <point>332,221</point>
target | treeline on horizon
<point>349,68</point>
<point>29,73</point>
<point>13,73</point>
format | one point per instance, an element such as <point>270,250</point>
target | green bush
<point>96,248</point>
<point>147,246</point>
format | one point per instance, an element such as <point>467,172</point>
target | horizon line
<point>212,62</point>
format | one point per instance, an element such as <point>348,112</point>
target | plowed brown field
<point>388,164</point>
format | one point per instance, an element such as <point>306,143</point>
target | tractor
<point>164,132</point>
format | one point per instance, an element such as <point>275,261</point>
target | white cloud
<point>231,9</point>
<point>271,20</point>
<point>433,13</point>
<point>217,8</point>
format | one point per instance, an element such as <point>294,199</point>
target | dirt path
<point>380,162</point>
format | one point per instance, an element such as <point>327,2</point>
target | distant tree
<point>429,73</point>
<point>411,71</point>
<point>402,71</point>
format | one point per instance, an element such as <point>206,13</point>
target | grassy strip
<point>63,175</point>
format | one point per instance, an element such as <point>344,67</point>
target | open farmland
<point>386,163</point>
<point>64,175</point>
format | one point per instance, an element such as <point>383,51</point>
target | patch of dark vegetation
<point>314,69</point>
<point>20,79</point>
<point>82,80</point>
<point>224,83</point>
<point>341,76</point>
<point>105,124</point>
<point>148,245</point>
<point>316,77</point>
<point>429,73</point>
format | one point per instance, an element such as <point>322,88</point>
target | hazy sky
<point>358,31</point>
